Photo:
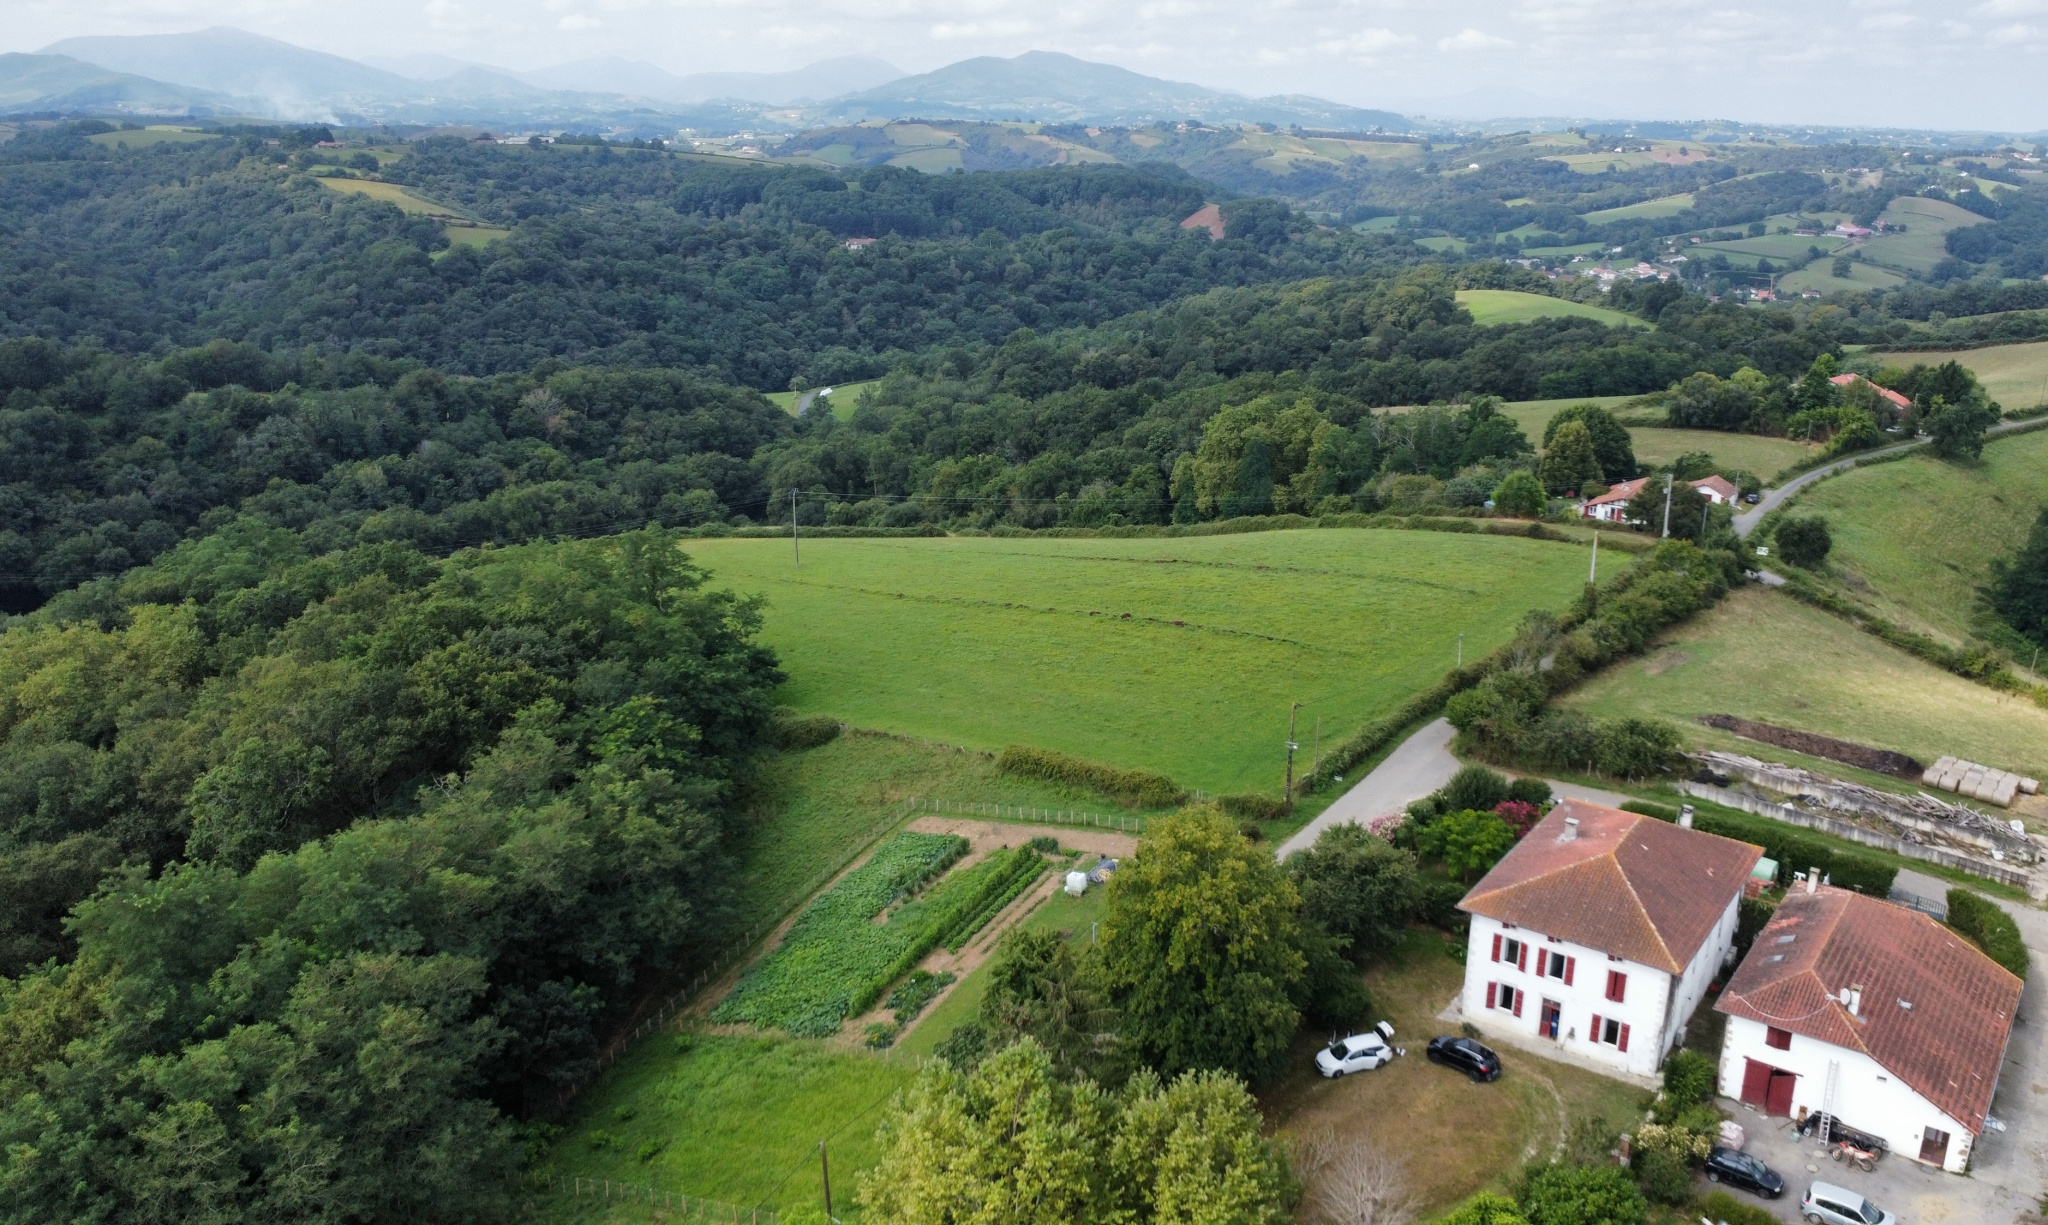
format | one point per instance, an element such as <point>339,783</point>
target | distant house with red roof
<point>1596,936</point>
<point>1874,1014</point>
<point>1609,506</point>
<point>1844,380</point>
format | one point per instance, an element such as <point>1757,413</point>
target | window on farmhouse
<point>1617,986</point>
<point>1777,1039</point>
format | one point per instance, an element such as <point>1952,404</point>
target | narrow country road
<point>1746,522</point>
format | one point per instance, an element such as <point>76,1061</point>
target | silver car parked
<point>1841,1206</point>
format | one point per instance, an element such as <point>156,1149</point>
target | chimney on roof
<point>1852,999</point>
<point>1685,816</point>
<point>1812,879</point>
<point>1571,830</point>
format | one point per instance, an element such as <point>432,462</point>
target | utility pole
<point>1667,506</point>
<point>1291,746</point>
<point>1593,571</point>
<point>1703,523</point>
<point>825,1168</point>
<point>1461,650</point>
<point>799,549</point>
<point>1315,769</point>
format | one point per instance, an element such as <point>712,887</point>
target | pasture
<point>1778,246</point>
<point>154,134</point>
<point>390,193</point>
<point>1820,277</point>
<point>1496,306</point>
<point>1444,243</point>
<point>1766,457</point>
<point>1921,246</point>
<point>1663,206</point>
<point>2015,375</point>
<point>841,398</point>
<point>474,235</point>
<point>1180,655</point>
<point>1916,538</point>
<point>1765,656</point>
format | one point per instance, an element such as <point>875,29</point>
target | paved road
<point>1746,522</point>
<point>1421,764</point>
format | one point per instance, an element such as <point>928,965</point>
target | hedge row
<point>1989,928</point>
<point>795,732</point>
<point>1251,807</point>
<point>1979,664</point>
<point>1135,788</point>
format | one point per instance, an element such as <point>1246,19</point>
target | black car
<point>1742,1170</point>
<point>1469,1057</point>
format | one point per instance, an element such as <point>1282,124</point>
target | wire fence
<point>1031,816</point>
<point>690,1207</point>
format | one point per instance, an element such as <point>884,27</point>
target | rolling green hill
<point>1492,306</point>
<point>2015,375</point>
<point>1179,655</point>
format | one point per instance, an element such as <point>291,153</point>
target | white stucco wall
<point>1867,1096</point>
<point>1699,975</point>
<point>1647,997</point>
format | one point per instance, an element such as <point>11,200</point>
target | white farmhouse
<point>1596,937</point>
<point>1874,1014</point>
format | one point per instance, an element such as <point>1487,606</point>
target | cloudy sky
<point>1920,63</point>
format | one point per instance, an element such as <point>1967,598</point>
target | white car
<point>1827,1204</point>
<point>1357,1052</point>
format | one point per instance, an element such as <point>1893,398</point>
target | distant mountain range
<point>1049,86</point>
<point>226,70</point>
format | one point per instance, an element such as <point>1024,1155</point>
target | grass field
<point>1444,243</point>
<point>155,134</point>
<point>1494,306</point>
<point>1764,656</point>
<point>1533,415</point>
<point>736,1119</point>
<point>1766,457</point>
<point>1917,538</point>
<point>1453,1136</point>
<point>474,235</point>
<point>1921,246</point>
<point>1777,246</point>
<point>2015,375</point>
<point>390,193</point>
<point>1072,644</point>
<point>1601,163</point>
<point>1819,276</point>
<point>1663,206</point>
<point>842,398</point>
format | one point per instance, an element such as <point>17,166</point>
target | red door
<point>1756,1082</point>
<point>1778,1098</point>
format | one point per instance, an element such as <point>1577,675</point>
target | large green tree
<point>2019,585</point>
<point>1569,463</point>
<point>1201,948</point>
<point>1612,445</point>
<point>1357,885</point>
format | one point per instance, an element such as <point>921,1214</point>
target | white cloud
<point>1469,39</point>
<point>578,21</point>
<point>1365,44</point>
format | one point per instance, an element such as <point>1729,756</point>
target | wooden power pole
<point>1291,746</point>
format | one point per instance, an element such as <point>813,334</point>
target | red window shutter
<point>1523,963</point>
<point>1624,1037</point>
<point>1518,1002</point>
<point>1570,964</point>
<point>1617,986</point>
<point>1496,946</point>
<point>1491,990</point>
<point>1594,1033</point>
<point>1542,962</point>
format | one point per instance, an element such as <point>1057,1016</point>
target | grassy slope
<point>152,135</point>
<point>1495,306</point>
<point>1664,206</point>
<point>844,396</point>
<point>390,193</point>
<point>1763,456</point>
<point>2015,375</point>
<point>1917,538</point>
<point>1922,245</point>
<point>1820,276</point>
<point>1764,656</point>
<point>990,641</point>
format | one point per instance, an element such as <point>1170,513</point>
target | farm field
<point>390,193</point>
<point>1584,248</point>
<point>1820,277</point>
<point>1917,538</point>
<point>1778,246</point>
<point>736,1119</point>
<point>2015,375</point>
<point>1454,1137</point>
<point>842,398</point>
<point>1443,243</point>
<point>1927,224</point>
<point>987,642</point>
<point>1493,306</point>
<point>1766,457</point>
<point>1764,656</point>
<point>1663,206</point>
<point>154,134</point>
<point>474,235</point>
<point>1601,162</point>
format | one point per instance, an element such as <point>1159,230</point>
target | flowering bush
<point>1520,815</point>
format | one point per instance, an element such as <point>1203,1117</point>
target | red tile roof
<point>1843,380</point>
<point>1629,885</point>
<point>1947,1046</point>
<point>1620,493</point>
<point>1719,484</point>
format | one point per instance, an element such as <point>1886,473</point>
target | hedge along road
<point>1746,522</point>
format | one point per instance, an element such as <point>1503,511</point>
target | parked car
<point>1835,1205</point>
<point>1739,1169</point>
<point>1752,498</point>
<point>1357,1052</point>
<point>1472,1058</point>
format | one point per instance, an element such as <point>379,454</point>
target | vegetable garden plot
<point>838,959</point>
